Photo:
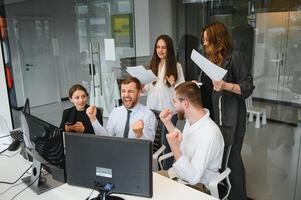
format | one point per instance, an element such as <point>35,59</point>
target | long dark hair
<point>171,62</point>
<point>219,40</point>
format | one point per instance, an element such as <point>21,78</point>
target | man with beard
<point>198,151</point>
<point>132,119</point>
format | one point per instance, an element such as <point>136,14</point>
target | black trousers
<point>237,175</point>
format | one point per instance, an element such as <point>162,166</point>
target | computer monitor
<point>17,134</point>
<point>124,163</point>
<point>26,107</point>
<point>47,151</point>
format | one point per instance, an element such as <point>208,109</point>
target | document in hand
<point>212,70</point>
<point>144,76</point>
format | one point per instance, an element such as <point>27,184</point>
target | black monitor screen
<point>125,163</point>
<point>47,140</point>
<point>26,107</point>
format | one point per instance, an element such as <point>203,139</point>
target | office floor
<point>270,154</point>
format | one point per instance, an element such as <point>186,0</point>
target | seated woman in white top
<point>170,73</point>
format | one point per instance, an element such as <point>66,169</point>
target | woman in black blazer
<point>75,118</point>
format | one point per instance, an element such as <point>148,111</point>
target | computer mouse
<point>14,145</point>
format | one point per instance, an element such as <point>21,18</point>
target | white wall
<point>4,103</point>
<point>142,32</point>
<point>152,18</point>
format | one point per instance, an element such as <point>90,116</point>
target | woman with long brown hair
<point>170,73</point>
<point>164,65</point>
<point>228,99</point>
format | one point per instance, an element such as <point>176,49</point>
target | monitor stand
<point>106,195</point>
<point>40,182</point>
<point>99,197</point>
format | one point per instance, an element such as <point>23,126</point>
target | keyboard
<point>17,134</point>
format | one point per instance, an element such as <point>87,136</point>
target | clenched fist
<point>166,115</point>
<point>91,112</point>
<point>138,128</point>
<point>174,139</point>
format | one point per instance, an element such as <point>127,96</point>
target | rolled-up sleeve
<point>150,124</point>
<point>99,129</point>
<point>191,170</point>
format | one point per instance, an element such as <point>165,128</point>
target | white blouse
<point>160,95</point>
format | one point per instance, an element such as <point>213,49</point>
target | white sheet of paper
<point>109,49</point>
<point>212,70</point>
<point>144,76</point>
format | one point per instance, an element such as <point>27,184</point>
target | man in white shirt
<point>132,119</point>
<point>198,151</point>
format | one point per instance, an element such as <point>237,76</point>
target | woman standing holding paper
<point>170,73</point>
<point>228,99</point>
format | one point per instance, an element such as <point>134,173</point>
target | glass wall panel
<point>268,34</point>
<point>51,44</point>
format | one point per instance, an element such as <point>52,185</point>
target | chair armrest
<point>163,157</point>
<point>159,151</point>
<point>220,177</point>
<point>213,184</point>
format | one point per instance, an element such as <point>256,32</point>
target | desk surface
<point>12,167</point>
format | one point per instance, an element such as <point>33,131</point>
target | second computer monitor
<point>125,163</point>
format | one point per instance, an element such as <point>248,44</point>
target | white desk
<point>12,167</point>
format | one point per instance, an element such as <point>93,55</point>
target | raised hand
<point>91,112</point>
<point>174,139</point>
<point>166,115</point>
<point>171,80</point>
<point>138,128</point>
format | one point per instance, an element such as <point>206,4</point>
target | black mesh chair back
<point>159,132</point>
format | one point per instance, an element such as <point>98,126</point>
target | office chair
<point>158,142</point>
<point>219,187</point>
<point>158,146</point>
<point>155,158</point>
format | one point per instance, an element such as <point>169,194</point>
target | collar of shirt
<point>134,109</point>
<point>197,124</point>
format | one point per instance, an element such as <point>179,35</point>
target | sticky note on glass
<point>110,49</point>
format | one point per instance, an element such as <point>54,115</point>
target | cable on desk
<point>3,151</point>
<point>95,185</point>
<point>9,156</point>
<point>25,188</point>
<point>4,136</point>
<point>1,193</point>
<point>10,183</point>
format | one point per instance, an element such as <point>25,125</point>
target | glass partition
<point>268,33</point>
<point>52,45</point>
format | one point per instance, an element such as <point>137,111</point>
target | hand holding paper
<point>144,76</point>
<point>212,70</point>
